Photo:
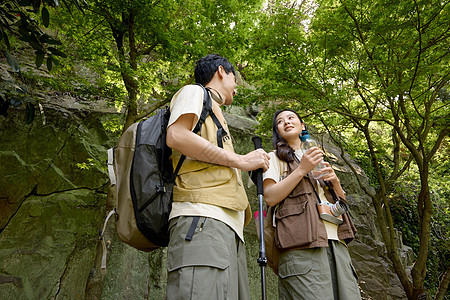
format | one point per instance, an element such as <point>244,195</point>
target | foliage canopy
<point>373,74</point>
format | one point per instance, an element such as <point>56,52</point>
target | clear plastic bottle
<point>308,142</point>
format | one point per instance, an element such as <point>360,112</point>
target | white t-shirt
<point>278,171</point>
<point>189,99</point>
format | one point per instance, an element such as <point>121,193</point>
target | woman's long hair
<point>283,150</point>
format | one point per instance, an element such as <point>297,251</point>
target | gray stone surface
<point>53,189</point>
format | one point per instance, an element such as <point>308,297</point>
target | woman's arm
<point>275,192</point>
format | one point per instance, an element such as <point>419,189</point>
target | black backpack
<point>142,180</point>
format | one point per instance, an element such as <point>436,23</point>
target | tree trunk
<point>425,208</point>
<point>385,220</point>
<point>127,71</point>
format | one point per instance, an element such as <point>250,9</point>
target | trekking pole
<point>262,260</point>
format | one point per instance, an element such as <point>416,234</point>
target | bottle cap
<point>304,135</point>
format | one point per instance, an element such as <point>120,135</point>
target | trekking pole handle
<point>257,141</point>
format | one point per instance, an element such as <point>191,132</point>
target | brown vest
<point>298,223</point>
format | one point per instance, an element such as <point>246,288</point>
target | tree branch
<point>363,42</point>
<point>443,286</point>
<point>420,51</point>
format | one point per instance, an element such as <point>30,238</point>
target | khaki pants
<point>211,266</point>
<point>318,273</point>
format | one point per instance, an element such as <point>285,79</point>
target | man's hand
<point>181,138</point>
<point>257,159</point>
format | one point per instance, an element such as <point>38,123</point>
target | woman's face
<point>289,125</point>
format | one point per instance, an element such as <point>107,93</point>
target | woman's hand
<point>330,175</point>
<point>310,159</point>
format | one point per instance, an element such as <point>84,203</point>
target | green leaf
<point>45,38</point>
<point>30,39</point>
<point>39,58</point>
<point>11,61</point>
<point>25,2</point>
<point>36,46</point>
<point>45,16</point>
<point>57,52</point>
<point>4,105</point>
<point>30,112</point>
<point>25,38</point>
<point>7,14</point>
<point>49,63</point>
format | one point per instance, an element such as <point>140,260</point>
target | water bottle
<point>308,142</point>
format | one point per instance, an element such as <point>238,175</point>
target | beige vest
<point>200,182</point>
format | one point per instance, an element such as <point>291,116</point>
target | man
<point>206,254</point>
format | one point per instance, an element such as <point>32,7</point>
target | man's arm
<point>182,139</point>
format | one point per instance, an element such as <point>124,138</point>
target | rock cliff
<point>53,190</point>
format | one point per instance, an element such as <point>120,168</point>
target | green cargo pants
<point>318,273</point>
<point>210,266</point>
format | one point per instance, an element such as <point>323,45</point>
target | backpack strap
<point>220,131</point>
<point>191,231</point>
<point>177,169</point>
<point>103,264</point>
<point>112,176</point>
<point>206,111</point>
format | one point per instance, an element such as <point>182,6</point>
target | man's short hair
<point>207,66</point>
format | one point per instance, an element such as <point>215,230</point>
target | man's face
<point>229,87</point>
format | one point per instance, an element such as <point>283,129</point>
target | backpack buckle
<point>160,189</point>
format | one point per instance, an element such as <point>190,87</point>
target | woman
<point>314,262</point>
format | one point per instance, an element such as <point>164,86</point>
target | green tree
<point>375,72</point>
<point>153,44</point>
<point>24,20</point>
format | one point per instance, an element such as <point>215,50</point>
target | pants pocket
<point>210,254</point>
<point>200,268</point>
<point>354,271</point>
<point>294,268</point>
<point>304,275</point>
